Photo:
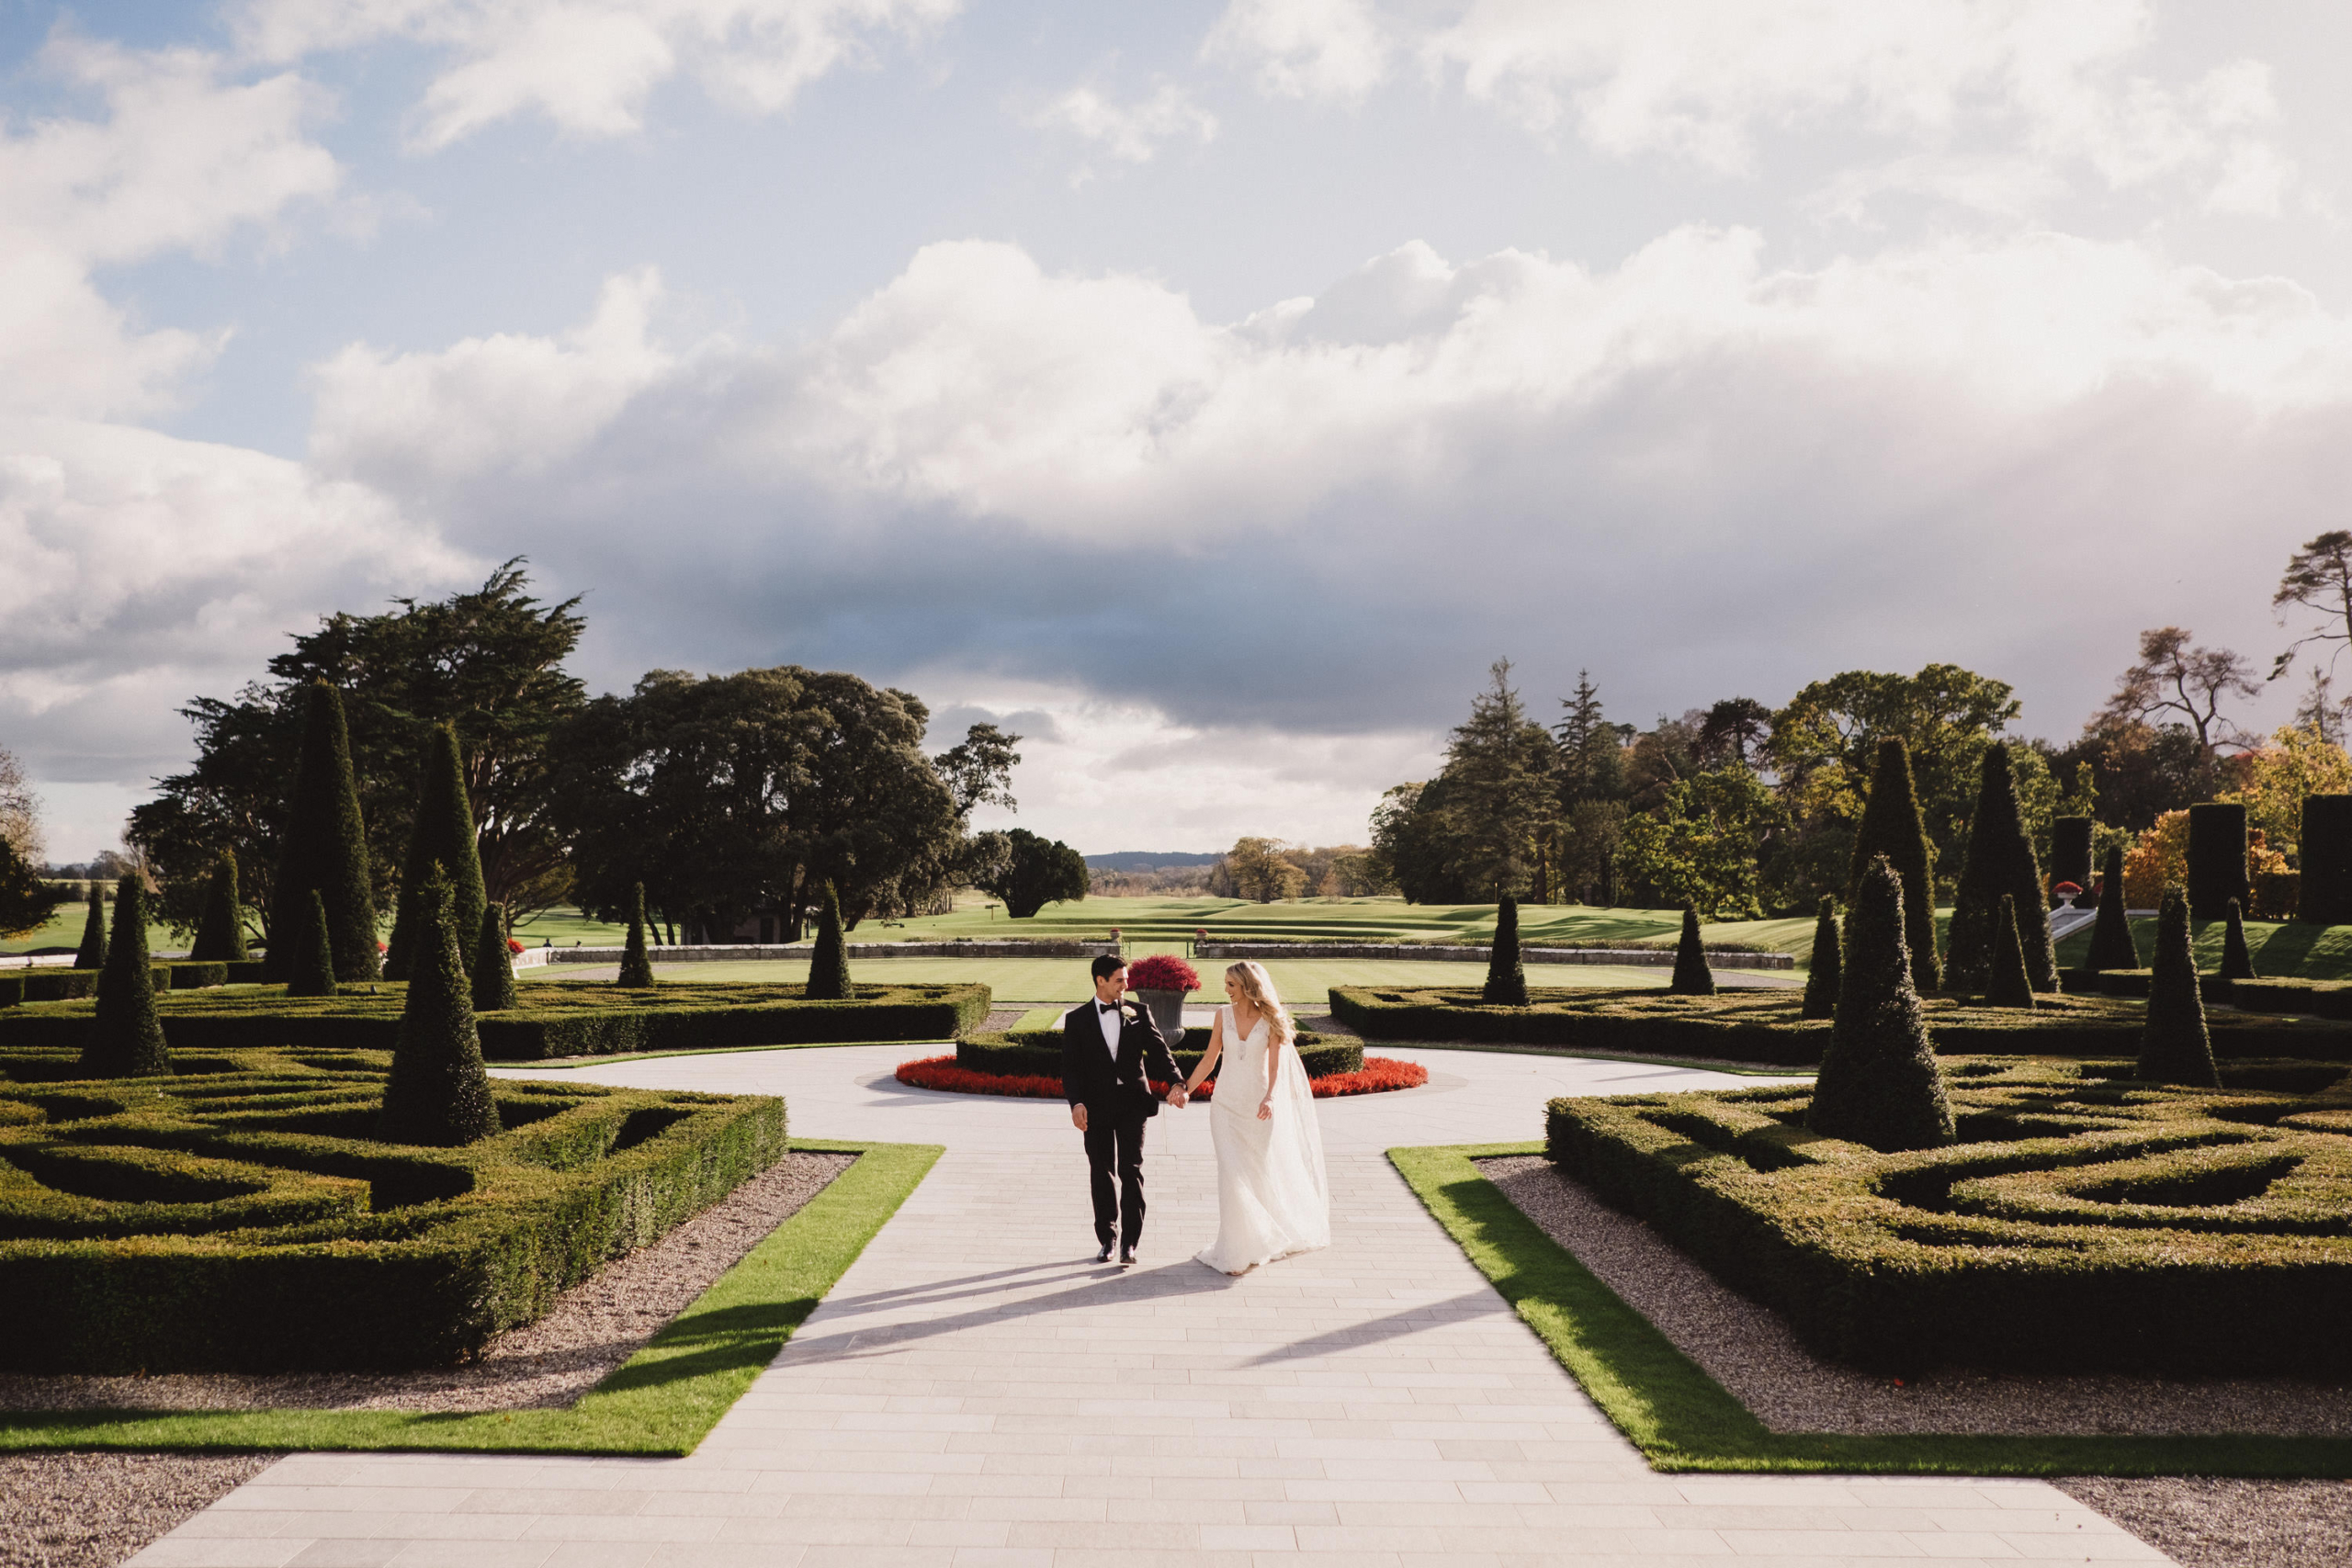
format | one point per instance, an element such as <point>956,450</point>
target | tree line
<point>1740,810</point>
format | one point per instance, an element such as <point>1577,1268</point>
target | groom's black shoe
<point>1104,1256</point>
<point>1126,1256</point>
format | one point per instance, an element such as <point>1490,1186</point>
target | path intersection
<point>976,1394</point>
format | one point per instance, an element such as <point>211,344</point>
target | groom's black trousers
<point>1117,1208</point>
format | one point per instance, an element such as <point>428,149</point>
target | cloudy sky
<point>1215,387</point>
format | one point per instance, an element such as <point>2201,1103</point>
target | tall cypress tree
<point>2007,985</point>
<point>1892,826</point>
<point>1691,975</point>
<point>2112,946</point>
<point>2237,963</point>
<point>444,836</point>
<point>221,934</point>
<point>2000,863</point>
<point>493,964</point>
<point>310,953</point>
<point>91,954</point>
<point>637,969</point>
<point>126,1040</point>
<point>1879,1083</point>
<point>325,846</point>
<point>438,1092</point>
<point>829,965</point>
<point>1821,981</point>
<point>1506,976</point>
<point>2174,1045</point>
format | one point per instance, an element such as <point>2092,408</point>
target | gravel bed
<point>2208,1522</point>
<point>1752,1352</point>
<point>593,1327</point>
<point>94,1510</point>
<point>1002,1018</point>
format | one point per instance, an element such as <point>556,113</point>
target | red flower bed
<point>1163,971</point>
<point>1380,1073</point>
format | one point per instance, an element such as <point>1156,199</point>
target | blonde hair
<point>1258,986</point>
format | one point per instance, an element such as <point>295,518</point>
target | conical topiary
<point>1506,976</point>
<point>2175,1046</point>
<point>126,1040</point>
<point>637,969</point>
<point>310,954</point>
<point>828,963</point>
<point>438,1092</point>
<point>2000,862</point>
<point>91,954</point>
<point>494,976</point>
<point>443,835</point>
<point>1821,982</point>
<point>220,932</point>
<point>1879,1083</point>
<point>1691,975</point>
<point>325,846</point>
<point>2112,946</point>
<point>2237,963</point>
<point>1892,826</point>
<point>2007,985</point>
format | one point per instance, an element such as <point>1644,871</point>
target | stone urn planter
<point>1161,982</point>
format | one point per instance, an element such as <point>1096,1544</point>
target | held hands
<point>1178,1096</point>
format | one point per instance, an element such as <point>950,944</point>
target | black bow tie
<point>1106,1006</point>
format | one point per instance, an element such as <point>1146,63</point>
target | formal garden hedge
<point>2084,1222</point>
<point>242,1214</point>
<point>20,986</point>
<point>571,1019</point>
<point>1767,1026</point>
<point>1037,1053</point>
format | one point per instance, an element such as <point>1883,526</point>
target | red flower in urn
<point>2066,890</point>
<point>1163,971</point>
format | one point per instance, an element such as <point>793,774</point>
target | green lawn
<point>1019,982</point>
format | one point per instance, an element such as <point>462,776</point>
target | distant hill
<point>1146,860</point>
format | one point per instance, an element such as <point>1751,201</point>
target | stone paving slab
<point>977,1393</point>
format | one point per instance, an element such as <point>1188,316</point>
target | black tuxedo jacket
<point>1121,1088</point>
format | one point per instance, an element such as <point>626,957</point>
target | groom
<point>1111,1050</point>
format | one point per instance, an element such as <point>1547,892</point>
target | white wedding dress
<point>1272,1197</point>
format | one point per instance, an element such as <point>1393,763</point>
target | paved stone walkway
<point>976,1394</point>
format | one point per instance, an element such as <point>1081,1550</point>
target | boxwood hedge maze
<point>242,1214</point>
<point>2084,1220</point>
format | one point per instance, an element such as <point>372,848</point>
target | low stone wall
<point>1628,957</point>
<point>743,953</point>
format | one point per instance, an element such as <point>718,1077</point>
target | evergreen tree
<point>91,954</point>
<point>1592,750</point>
<point>2175,1046</point>
<point>828,963</point>
<point>2000,863</point>
<point>438,1092</point>
<point>127,1039</point>
<point>2007,985</point>
<point>1502,790</point>
<point>325,847</point>
<point>221,936</point>
<point>1892,827</point>
<point>1506,976</point>
<point>1691,975</point>
<point>1879,1083</point>
<point>443,835</point>
<point>2238,964</point>
<point>1821,983</point>
<point>494,976</point>
<point>308,950</point>
<point>637,969</point>
<point>2113,945</point>
<point>26,901</point>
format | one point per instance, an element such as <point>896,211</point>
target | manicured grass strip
<point>566,1063</point>
<point>1682,1063</point>
<point>662,1401</point>
<point>1682,1419</point>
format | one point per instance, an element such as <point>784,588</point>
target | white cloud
<point>2047,81</point>
<point>1326,49</point>
<point>1129,132</point>
<point>589,65</point>
<point>183,158</point>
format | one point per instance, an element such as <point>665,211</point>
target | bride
<point>1272,1196</point>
